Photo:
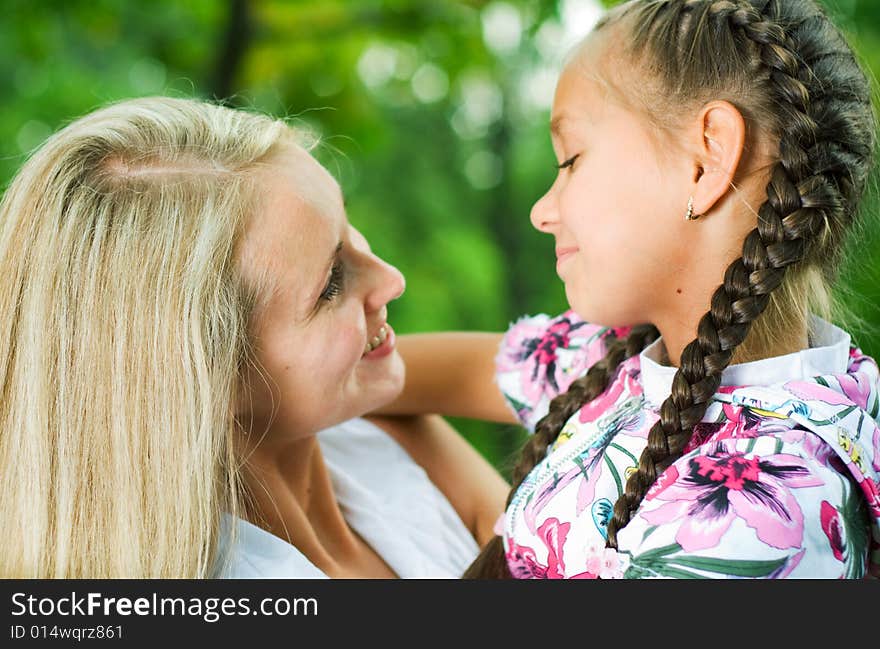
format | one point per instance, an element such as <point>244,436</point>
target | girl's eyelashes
<point>568,163</point>
<point>334,284</point>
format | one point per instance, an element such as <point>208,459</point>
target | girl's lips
<point>562,254</point>
<point>385,348</point>
<point>565,252</point>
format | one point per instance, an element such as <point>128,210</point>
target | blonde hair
<point>124,332</point>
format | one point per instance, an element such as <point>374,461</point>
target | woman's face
<point>323,340</point>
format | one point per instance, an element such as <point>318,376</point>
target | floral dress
<point>779,480</point>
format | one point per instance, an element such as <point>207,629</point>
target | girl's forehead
<point>579,99</point>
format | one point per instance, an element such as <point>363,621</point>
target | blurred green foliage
<point>432,114</point>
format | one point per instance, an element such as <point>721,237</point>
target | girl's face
<point>615,209</point>
<point>323,339</point>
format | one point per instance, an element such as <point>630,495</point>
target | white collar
<point>830,355</point>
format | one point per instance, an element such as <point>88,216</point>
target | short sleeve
<point>750,508</point>
<point>540,356</point>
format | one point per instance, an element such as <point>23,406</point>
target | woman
<point>184,308</point>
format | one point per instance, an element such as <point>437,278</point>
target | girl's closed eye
<point>568,163</point>
<point>334,284</point>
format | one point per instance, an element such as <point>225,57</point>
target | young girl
<point>713,156</point>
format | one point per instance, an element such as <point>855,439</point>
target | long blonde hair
<point>123,333</point>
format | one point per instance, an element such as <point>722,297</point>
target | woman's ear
<point>719,136</point>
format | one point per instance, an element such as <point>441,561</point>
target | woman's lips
<point>384,347</point>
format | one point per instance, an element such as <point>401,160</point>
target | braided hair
<point>782,60</point>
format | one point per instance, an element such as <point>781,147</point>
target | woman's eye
<point>568,163</point>
<point>334,284</point>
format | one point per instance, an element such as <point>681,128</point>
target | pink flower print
<point>532,352</point>
<point>815,447</point>
<point>627,379</point>
<point>722,485</point>
<point>663,482</point>
<point>587,488</point>
<point>545,493</point>
<point>702,433</point>
<point>731,411</point>
<point>872,493</point>
<point>857,358</point>
<point>619,332</point>
<point>832,525</point>
<point>584,575</point>
<point>609,565</point>
<point>857,388</point>
<point>553,534</point>
<point>743,424</point>
<point>603,562</point>
<point>812,391</point>
<point>876,462</point>
<point>522,560</point>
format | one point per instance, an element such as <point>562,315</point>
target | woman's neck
<point>292,497</point>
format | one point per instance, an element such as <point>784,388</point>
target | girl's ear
<point>718,139</point>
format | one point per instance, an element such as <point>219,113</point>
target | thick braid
<point>491,562</point>
<point>800,202</point>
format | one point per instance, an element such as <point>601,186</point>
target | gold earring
<point>690,212</point>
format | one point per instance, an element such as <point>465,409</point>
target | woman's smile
<point>381,344</point>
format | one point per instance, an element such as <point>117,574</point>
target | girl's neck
<point>753,348</point>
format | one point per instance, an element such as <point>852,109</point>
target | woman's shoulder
<point>392,502</point>
<point>247,552</point>
<point>384,495</point>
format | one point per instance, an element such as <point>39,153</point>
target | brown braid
<point>825,125</point>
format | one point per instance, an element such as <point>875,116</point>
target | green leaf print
<point>638,572</point>
<point>855,525</point>
<point>824,422</point>
<point>519,406</point>
<point>682,566</point>
<point>614,473</point>
<point>736,567</point>
<point>822,381</point>
<point>656,553</point>
<point>635,461</point>
<point>648,532</point>
<point>667,570</point>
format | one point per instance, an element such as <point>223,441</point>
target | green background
<point>433,116</point>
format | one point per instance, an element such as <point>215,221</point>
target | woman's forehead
<point>298,223</point>
<point>306,179</point>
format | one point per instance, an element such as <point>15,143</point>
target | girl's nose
<point>544,215</point>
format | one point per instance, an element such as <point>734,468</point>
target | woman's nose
<point>544,215</point>
<point>386,284</point>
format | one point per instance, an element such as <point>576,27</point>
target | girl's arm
<point>475,490</point>
<point>452,374</point>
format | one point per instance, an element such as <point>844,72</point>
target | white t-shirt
<point>386,498</point>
